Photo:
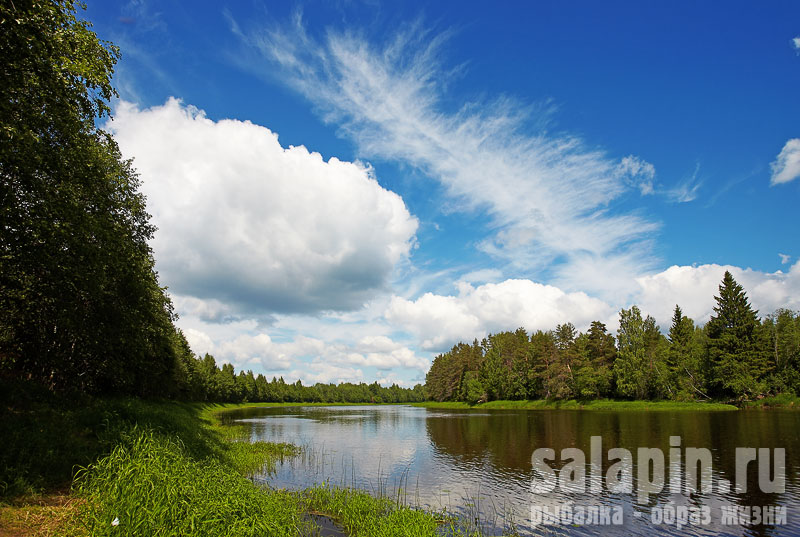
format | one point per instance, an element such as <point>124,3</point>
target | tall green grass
<point>363,515</point>
<point>47,436</point>
<point>150,485</point>
<point>161,468</point>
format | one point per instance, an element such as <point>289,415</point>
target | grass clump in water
<point>250,458</point>
<point>150,486</point>
<point>239,452</point>
<point>362,515</point>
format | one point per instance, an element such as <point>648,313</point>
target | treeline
<point>735,356</point>
<point>203,380</point>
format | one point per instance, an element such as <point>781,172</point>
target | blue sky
<point>449,169</point>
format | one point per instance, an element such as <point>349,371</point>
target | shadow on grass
<point>46,436</point>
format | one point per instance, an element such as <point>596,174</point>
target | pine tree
<point>629,368</point>
<point>680,332</point>
<point>553,377</point>
<point>567,351</point>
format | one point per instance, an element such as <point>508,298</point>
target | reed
<point>361,514</point>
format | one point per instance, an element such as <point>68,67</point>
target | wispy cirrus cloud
<point>640,172</point>
<point>548,195</point>
<point>686,190</point>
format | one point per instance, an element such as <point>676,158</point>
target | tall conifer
<point>739,365</point>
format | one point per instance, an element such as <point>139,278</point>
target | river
<point>478,464</point>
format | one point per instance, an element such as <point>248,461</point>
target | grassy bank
<point>778,401</point>
<point>166,468</point>
<point>602,404</point>
<point>46,437</point>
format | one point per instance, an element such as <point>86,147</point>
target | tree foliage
<point>596,355</point>
<point>686,359</point>
<point>80,300</point>
<point>739,363</point>
<point>214,383</point>
<point>735,356</point>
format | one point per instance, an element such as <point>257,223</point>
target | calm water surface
<point>478,463</point>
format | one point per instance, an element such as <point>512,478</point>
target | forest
<point>735,356</point>
<point>81,306</point>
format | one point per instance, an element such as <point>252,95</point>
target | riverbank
<point>168,468</point>
<point>601,404</point>
<point>784,401</point>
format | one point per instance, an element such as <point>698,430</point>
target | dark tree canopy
<point>81,303</point>
<point>739,363</point>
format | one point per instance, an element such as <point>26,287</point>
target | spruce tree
<point>739,365</point>
<point>685,358</point>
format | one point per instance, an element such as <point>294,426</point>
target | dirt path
<point>40,516</point>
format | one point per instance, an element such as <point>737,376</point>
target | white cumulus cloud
<point>693,288</point>
<point>786,167</point>
<point>254,226</point>
<point>327,373</point>
<point>440,321</point>
<point>359,349</point>
<point>259,351</point>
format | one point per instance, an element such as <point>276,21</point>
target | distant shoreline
<point>777,402</point>
<point>571,404</point>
